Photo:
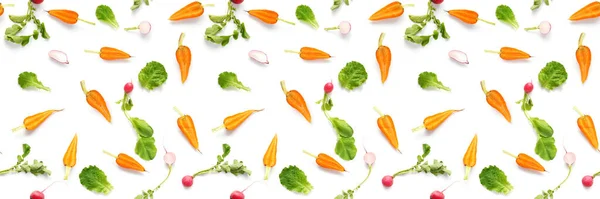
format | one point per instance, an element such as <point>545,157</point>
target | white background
<point>208,104</point>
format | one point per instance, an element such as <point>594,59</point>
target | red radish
<point>458,56</point>
<point>437,1</point>
<point>237,1</point>
<point>259,56</point>
<point>328,87</point>
<point>58,56</point>
<point>439,194</point>
<point>128,87</point>
<point>528,87</point>
<point>187,181</point>
<point>239,194</point>
<point>40,194</point>
<point>37,1</point>
<point>587,181</point>
<point>387,181</point>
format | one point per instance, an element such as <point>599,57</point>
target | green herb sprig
<point>338,3</point>
<point>138,3</point>
<point>345,146</point>
<point>229,80</point>
<point>20,21</point>
<point>549,194</point>
<point>22,166</point>
<point>545,146</point>
<point>236,167</point>
<point>422,166</point>
<point>538,3</point>
<point>430,80</point>
<point>220,21</point>
<point>410,34</point>
<point>144,147</point>
<point>29,80</point>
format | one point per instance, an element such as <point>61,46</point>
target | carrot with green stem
<point>327,162</point>
<point>4,5</point>
<point>270,157</point>
<point>527,162</point>
<point>127,162</point>
<point>70,157</point>
<point>589,11</point>
<point>509,53</point>
<point>384,58</point>
<point>110,53</point>
<point>496,101</point>
<point>310,53</point>
<point>32,122</point>
<point>191,10</point>
<point>432,122</point>
<point>387,127</point>
<point>184,58</point>
<point>587,128</point>
<point>470,157</point>
<point>68,16</point>
<point>267,16</point>
<point>467,16</point>
<point>232,122</point>
<point>187,127</point>
<point>296,101</point>
<point>391,10</point>
<point>584,58</point>
<point>96,101</point>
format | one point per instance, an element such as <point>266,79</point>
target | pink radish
<point>40,194</point>
<point>439,194</point>
<point>458,56</point>
<point>544,27</point>
<point>344,27</point>
<point>239,194</point>
<point>387,181</point>
<point>588,180</point>
<point>169,157</point>
<point>144,27</point>
<point>187,181</point>
<point>528,87</point>
<point>128,87</point>
<point>259,56</point>
<point>58,56</point>
<point>328,87</point>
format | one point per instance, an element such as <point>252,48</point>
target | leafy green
<point>546,148</point>
<point>235,168</point>
<point>342,128</point>
<point>30,80</point>
<point>506,15</point>
<point>305,14</point>
<point>106,15</point>
<point>430,80</point>
<point>352,75</point>
<point>338,3</point>
<point>410,34</point>
<point>145,148</point>
<point>94,179</point>
<point>138,3</point>
<point>552,75</point>
<point>126,103</point>
<point>152,75</point>
<point>230,80</point>
<point>422,166</point>
<point>294,179</point>
<point>22,166</point>
<point>494,179</point>
<point>346,148</point>
<point>220,21</point>
<point>10,34</point>
<point>142,128</point>
<point>538,3</point>
<point>541,127</point>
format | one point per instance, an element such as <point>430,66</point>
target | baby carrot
<point>267,16</point>
<point>391,10</point>
<point>109,53</point>
<point>296,101</point>
<point>187,127</point>
<point>96,101</point>
<point>4,5</point>
<point>31,122</point>
<point>270,157</point>
<point>70,158</point>
<point>467,16</point>
<point>387,127</point>
<point>384,58</point>
<point>68,16</point>
<point>234,121</point>
<point>587,127</point>
<point>470,157</point>
<point>191,10</point>
<point>326,161</point>
<point>509,53</point>
<point>432,122</point>
<point>127,162</point>
<point>591,10</point>
<point>584,58</point>
<point>184,58</point>
<point>526,161</point>
<point>309,53</point>
<point>496,101</point>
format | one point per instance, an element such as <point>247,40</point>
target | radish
<point>528,87</point>
<point>58,56</point>
<point>37,1</point>
<point>237,1</point>
<point>439,194</point>
<point>437,1</point>
<point>344,27</point>
<point>259,56</point>
<point>239,194</point>
<point>40,194</point>
<point>588,180</point>
<point>128,87</point>
<point>458,56</point>
<point>187,181</point>
<point>144,27</point>
<point>387,181</point>
<point>328,87</point>
<point>544,27</point>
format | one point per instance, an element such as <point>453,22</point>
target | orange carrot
<point>191,10</point>
<point>267,16</point>
<point>184,58</point>
<point>96,101</point>
<point>527,162</point>
<point>270,157</point>
<point>496,101</point>
<point>591,10</point>
<point>384,58</point>
<point>127,162</point>
<point>387,127</point>
<point>2,7</point>
<point>470,157</point>
<point>391,10</point>
<point>234,121</point>
<point>508,53</point>
<point>584,58</point>
<point>296,101</point>
<point>70,158</point>
<point>31,122</point>
<point>587,127</point>
<point>432,122</point>
<point>68,16</point>
<point>109,53</point>
<point>467,16</point>
<point>309,53</point>
<point>326,161</point>
<point>187,127</point>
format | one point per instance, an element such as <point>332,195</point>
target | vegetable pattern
<point>352,76</point>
